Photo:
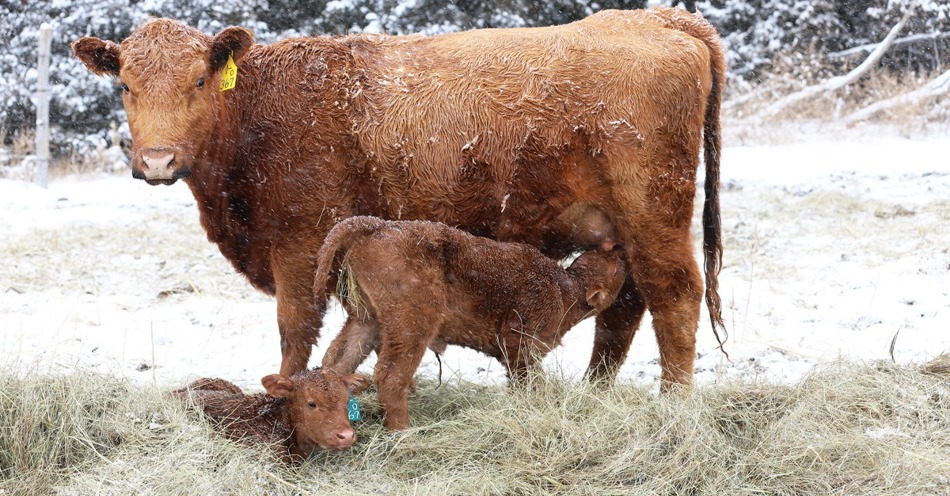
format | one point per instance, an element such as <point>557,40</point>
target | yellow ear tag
<point>229,74</point>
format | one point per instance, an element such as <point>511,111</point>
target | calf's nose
<point>346,437</point>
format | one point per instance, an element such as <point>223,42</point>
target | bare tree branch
<point>838,82</point>
<point>750,95</point>
<point>934,88</point>
<point>900,41</point>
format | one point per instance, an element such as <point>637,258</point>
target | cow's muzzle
<point>159,166</point>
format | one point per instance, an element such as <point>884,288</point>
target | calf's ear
<point>597,298</point>
<point>357,382</point>
<point>230,42</point>
<point>277,385</point>
<point>100,57</point>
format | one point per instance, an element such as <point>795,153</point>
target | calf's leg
<point>394,370</point>
<point>351,347</point>
<point>405,336</point>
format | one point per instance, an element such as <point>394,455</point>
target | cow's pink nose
<point>158,162</point>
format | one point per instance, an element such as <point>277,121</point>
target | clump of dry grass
<point>14,159</point>
<point>84,433</point>
<point>846,429</point>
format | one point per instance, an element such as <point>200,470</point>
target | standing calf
<point>408,285</point>
<point>297,414</point>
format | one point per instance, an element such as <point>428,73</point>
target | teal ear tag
<point>353,409</point>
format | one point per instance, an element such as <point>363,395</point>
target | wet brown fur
<point>282,417</point>
<point>424,284</point>
<point>496,131</point>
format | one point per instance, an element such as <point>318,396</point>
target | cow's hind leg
<point>654,209</point>
<point>299,329</point>
<point>674,301</point>
<point>665,270</point>
<point>614,331</point>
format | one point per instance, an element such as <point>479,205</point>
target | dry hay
<point>845,429</point>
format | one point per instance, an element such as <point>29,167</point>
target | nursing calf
<point>296,415</point>
<point>408,285</point>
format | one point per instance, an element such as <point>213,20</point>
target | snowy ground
<point>832,246</point>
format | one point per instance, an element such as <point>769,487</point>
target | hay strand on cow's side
<point>845,429</point>
<point>347,289</point>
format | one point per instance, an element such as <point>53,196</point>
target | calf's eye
<point>125,87</point>
<point>312,404</point>
<point>201,82</point>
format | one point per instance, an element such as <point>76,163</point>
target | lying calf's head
<point>317,407</point>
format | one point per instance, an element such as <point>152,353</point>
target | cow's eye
<point>201,82</point>
<point>125,87</point>
<point>312,404</point>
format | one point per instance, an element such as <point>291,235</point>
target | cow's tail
<point>696,26</point>
<point>712,223</point>
<point>340,237</point>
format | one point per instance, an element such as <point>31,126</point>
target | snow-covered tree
<point>806,38</point>
<point>811,39</point>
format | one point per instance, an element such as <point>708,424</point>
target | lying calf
<point>409,285</point>
<point>297,414</point>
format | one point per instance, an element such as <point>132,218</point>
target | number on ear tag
<point>353,409</point>
<point>229,74</point>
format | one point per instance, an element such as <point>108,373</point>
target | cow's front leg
<point>298,317</point>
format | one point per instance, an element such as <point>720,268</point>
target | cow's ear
<point>277,385</point>
<point>230,42</point>
<point>101,57</point>
<point>356,383</point>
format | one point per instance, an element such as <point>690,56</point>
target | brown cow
<point>498,132</point>
<point>411,284</point>
<point>296,415</point>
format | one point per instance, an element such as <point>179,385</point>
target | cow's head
<point>317,403</point>
<point>170,75</point>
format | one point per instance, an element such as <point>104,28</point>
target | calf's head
<point>170,76</point>
<point>601,274</point>
<point>317,407</point>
